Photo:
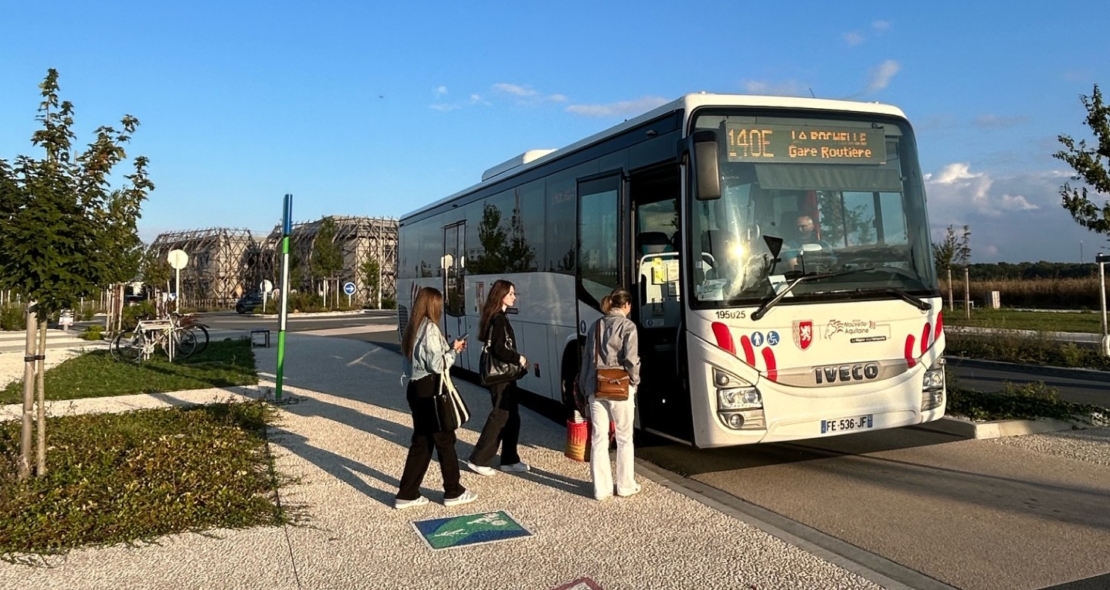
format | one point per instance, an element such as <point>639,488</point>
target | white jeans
<point>623,414</point>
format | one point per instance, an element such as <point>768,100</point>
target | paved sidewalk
<point>344,434</point>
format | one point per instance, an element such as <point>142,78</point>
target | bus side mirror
<point>708,177</point>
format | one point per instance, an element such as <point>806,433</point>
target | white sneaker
<point>635,490</point>
<point>400,504</point>
<point>486,471</point>
<point>521,467</point>
<point>466,498</point>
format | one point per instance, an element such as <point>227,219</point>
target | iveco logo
<point>845,373</point>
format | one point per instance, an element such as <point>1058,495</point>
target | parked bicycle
<point>148,336</point>
<point>190,322</point>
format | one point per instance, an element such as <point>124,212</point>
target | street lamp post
<point>1102,259</point>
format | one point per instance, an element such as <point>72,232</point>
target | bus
<point>777,249</point>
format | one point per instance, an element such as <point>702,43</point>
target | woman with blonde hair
<point>503,425</point>
<point>427,355</point>
<point>619,349</point>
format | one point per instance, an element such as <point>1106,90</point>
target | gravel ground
<point>1091,445</point>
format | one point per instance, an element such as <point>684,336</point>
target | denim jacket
<point>431,354</point>
<point>619,349</point>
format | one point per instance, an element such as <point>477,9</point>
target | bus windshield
<point>838,194</point>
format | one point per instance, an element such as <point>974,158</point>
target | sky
<point>375,109</point>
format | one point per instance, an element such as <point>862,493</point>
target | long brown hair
<point>429,304</point>
<point>497,292</point>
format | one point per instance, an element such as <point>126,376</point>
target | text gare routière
<point>805,145</point>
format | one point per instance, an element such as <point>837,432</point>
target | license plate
<point>848,424</point>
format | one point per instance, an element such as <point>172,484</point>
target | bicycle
<point>148,335</point>
<point>189,322</point>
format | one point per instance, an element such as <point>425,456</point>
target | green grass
<point>1027,350</point>
<point>1026,402</point>
<point>1087,322</point>
<point>223,364</point>
<point>128,478</point>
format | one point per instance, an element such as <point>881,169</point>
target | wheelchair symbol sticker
<point>772,338</point>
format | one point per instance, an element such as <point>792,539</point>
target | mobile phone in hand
<point>463,337</point>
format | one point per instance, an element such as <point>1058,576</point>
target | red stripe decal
<point>925,337</point>
<point>940,326</point>
<point>772,366</point>
<point>749,352</point>
<point>909,351</point>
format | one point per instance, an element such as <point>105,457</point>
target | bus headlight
<point>739,403</point>
<point>932,387</point>
<point>739,398</point>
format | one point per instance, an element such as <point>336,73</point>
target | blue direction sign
<point>349,288</point>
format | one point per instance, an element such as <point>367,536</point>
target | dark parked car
<point>248,302</point>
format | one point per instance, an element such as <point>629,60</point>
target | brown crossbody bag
<point>612,384</point>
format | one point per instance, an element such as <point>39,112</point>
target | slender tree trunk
<point>28,398</point>
<point>951,304</point>
<point>40,380</point>
<point>967,294</point>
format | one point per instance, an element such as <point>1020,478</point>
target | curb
<point>998,428</point>
<point>316,314</point>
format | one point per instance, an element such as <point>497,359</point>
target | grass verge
<point>1029,350</point>
<point>1086,322</point>
<point>1022,402</point>
<point>128,478</point>
<point>224,363</point>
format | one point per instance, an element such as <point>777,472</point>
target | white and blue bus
<point>777,249</point>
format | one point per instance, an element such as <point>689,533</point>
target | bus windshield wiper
<point>917,302</point>
<point>767,305</point>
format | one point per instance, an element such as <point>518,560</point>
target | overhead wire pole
<point>286,229</point>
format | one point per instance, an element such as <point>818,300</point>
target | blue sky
<point>368,108</point>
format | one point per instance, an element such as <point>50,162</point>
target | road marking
<point>350,330</point>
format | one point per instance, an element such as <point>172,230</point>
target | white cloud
<point>783,88</point>
<point>881,25</point>
<point>882,74</point>
<point>444,107</point>
<point>515,90</point>
<point>852,38</point>
<point>440,91</point>
<point>624,108</point>
<point>1013,217</point>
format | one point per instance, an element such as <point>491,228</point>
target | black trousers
<point>425,437</point>
<point>502,427</point>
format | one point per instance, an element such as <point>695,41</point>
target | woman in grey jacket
<point>427,354</point>
<point>619,348</point>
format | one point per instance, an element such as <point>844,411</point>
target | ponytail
<point>606,303</point>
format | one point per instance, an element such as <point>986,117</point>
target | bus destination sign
<point>805,144</point>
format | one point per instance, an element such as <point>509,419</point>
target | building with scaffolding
<point>226,263</point>
<point>360,239</point>
<point>223,264</point>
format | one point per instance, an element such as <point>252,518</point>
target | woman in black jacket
<point>503,425</point>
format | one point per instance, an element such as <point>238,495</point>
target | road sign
<point>349,288</point>
<point>266,286</point>
<point>177,259</point>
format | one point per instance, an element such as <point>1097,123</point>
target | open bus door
<point>663,401</point>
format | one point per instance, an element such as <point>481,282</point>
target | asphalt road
<point>993,377</point>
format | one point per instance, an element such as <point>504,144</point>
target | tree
<point>327,259</point>
<point>64,233</point>
<point>1090,165</point>
<point>370,277</point>
<point>952,250</point>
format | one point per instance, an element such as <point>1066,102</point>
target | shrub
<point>94,332</point>
<point>12,318</point>
<point>133,313</point>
